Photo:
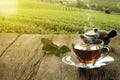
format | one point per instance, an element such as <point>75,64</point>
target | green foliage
<point>94,6</point>
<point>81,4</point>
<point>50,47</point>
<point>51,18</point>
<point>113,5</point>
<point>107,11</point>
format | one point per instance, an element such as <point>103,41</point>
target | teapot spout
<point>111,34</point>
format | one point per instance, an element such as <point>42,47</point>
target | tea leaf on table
<point>49,46</point>
<point>64,49</point>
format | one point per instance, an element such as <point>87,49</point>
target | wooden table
<point>22,58</point>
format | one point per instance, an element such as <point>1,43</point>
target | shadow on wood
<point>99,74</point>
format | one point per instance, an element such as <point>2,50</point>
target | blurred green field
<point>52,18</point>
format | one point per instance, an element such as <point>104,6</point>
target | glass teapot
<point>98,34</point>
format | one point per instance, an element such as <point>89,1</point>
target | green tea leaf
<point>48,45</point>
<point>64,49</point>
<point>49,48</point>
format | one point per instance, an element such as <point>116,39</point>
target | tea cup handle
<point>104,54</point>
<point>106,47</point>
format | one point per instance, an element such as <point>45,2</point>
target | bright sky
<point>8,7</point>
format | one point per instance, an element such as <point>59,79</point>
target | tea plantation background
<point>61,17</point>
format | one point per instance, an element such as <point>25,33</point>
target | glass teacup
<point>90,52</point>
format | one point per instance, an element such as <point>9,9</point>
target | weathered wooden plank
<point>52,68</point>
<point>21,61</point>
<point>24,60</point>
<point>67,72</point>
<point>115,45</point>
<point>6,40</point>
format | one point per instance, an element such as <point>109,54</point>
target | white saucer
<point>100,62</point>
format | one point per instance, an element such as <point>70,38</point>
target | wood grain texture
<point>115,45</point>
<point>67,72</point>
<point>21,61</point>
<point>24,59</point>
<point>52,67</point>
<point>6,40</point>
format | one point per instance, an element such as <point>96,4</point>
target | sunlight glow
<point>8,7</point>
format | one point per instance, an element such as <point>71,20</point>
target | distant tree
<point>107,11</point>
<point>81,4</point>
<point>61,2</point>
<point>78,3</point>
<point>94,6</point>
<point>103,9</point>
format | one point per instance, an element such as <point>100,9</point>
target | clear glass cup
<point>88,53</point>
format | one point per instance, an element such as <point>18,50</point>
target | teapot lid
<point>93,33</point>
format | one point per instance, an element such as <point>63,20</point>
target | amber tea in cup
<point>89,53</point>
